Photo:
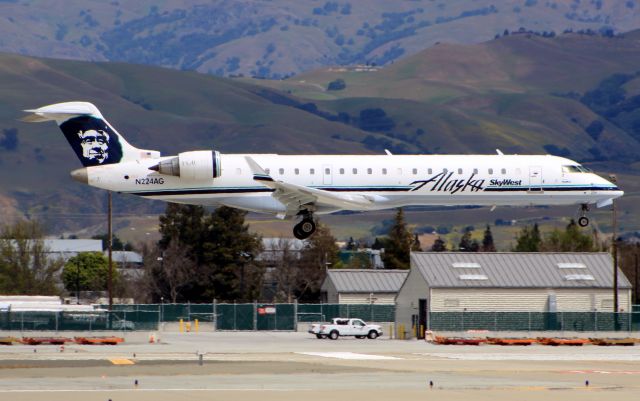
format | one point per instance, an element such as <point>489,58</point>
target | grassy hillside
<point>521,93</point>
<point>515,93</point>
<point>153,108</point>
<point>277,38</point>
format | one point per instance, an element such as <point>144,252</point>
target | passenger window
<point>369,171</point>
<point>429,171</point>
<point>267,170</point>
<point>475,171</point>
<point>399,171</point>
<point>503,171</point>
<point>355,171</point>
<point>490,171</point>
<point>281,171</point>
<point>312,171</point>
<point>327,171</point>
<point>296,171</point>
<point>341,171</point>
<point>459,171</point>
<point>384,171</point>
<point>415,171</point>
<point>444,170</point>
<point>239,171</point>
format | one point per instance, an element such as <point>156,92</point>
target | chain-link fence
<point>326,312</point>
<point>287,317</point>
<point>98,320</point>
<point>224,316</point>
<point>534,321</point>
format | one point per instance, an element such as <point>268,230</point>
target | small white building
<point>508,282</point>
<point>362,286</point>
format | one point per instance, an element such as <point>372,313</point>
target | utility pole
<point>636,276</point>
<point>109,247</point>
<point>614,249</point>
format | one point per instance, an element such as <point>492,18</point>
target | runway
<point>293,366</point>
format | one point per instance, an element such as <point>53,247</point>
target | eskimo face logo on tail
<point>95,145</point>
<point>93,140</point>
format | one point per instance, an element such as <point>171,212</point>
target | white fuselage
<point>388,180</point>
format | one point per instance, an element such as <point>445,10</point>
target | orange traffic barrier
<point>8,340</point>
<point>614,341</point>
<point>99,340</point>
<point>510,341</point>
<point>458,341</point>
<point>576,342</point>
<point>45,340</point>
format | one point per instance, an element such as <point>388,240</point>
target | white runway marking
<point>534,357</point>
<point>96,390</point>
<point>349,355</point>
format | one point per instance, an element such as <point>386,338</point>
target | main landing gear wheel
<point>583,221</point>
<point>304,229</point>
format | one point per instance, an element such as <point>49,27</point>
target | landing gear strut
<point>305,228</point>
<point>583,221</point>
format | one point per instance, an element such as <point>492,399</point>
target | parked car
<point>345,327</point>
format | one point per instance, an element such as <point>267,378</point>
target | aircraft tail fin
<point>92,138</point>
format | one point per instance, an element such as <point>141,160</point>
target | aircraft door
<point>327,174</point>
<point>535,178</point>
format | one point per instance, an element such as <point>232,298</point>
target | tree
<point>570,240</point>
<point>336,85</point>
<point>229,251</point>
<point>629,262</point>
<point>184,222</point>
<point>351,245</point>
<point>439,245</point>
<point>25,265</point>
<point>222,249</point>
<point>415,245</point>
<point>87,271</point>
<point>466,243</point>
<point>286,270</point>
<point>377,244</point>
<point>116,243</point>
<point>319,253</point>
<point>169,273</point>
<point>400,239</point>
<point>487,241</point>
<point>528,240</point>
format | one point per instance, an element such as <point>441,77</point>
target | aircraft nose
<point>80,175</point>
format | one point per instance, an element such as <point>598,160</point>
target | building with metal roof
<point>67,248</point>
<point>508,282</point>
<point>358,286</point>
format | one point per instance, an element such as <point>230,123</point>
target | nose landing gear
<point>305,228</point>
<point>583,220</point>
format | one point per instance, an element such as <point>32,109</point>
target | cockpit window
<point>572,169</point>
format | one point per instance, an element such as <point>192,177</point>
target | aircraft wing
<point>294,196</point>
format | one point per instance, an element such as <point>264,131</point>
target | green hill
<point>278,38</point>
<point>573,95</point>
<point>521,93</point>
<point>154,108</point>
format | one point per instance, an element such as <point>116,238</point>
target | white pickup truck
<point>345,327</point>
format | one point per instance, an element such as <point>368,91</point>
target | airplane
<point>301,186</point>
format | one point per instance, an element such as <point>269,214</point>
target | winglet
<point>499,152</point>
<point>388,152</point>
<point>258,172</point>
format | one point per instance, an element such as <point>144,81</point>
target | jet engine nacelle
<point>198,165</point>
